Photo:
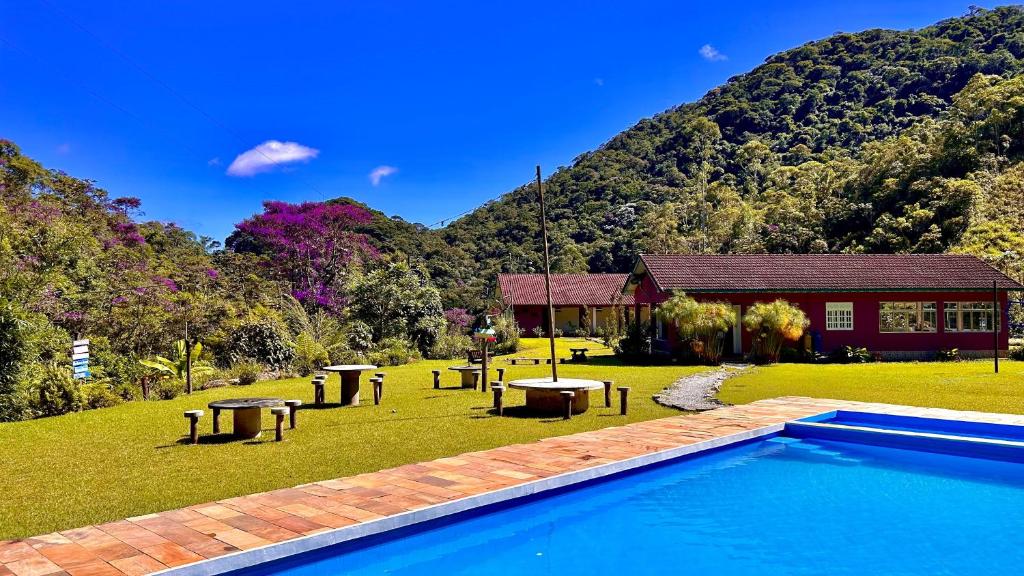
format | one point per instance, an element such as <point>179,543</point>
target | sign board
<point>80,359</point>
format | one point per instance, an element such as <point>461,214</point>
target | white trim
<point>249,558</point>
<point>839,326</point>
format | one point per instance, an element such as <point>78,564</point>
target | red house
<point>903,306</point>
<point>579,300</point>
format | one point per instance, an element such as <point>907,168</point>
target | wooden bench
<point>517,361</point>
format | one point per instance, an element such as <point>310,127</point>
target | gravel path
<point>697,391</point>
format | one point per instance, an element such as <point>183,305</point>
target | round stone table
<point>544,394</point>
<point>247,423</point>
<point>467,374</point>
<point>349,375</point>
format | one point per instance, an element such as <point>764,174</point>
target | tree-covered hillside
<point>879,141</point>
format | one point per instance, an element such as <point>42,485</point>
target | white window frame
<point>839,316</point>
<point>963,309</point>
<point>911,306</point>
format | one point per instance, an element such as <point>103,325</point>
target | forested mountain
<point>878,141</point>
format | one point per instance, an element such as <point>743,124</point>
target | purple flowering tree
<point>311,245</point>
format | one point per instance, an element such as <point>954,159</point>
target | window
<point>839,315</point>
<point>906,316</point>
<point>969,316</point>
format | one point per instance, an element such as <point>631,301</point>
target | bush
<point>56,392</point>
<point>506,334</point>
<point>310,355</point>
<point>260,342</point>
<point>538,331</point>
<point>12,354</point>
<point>360,336</point>
<point>168,388</point>
<point>393,352</point>
<point>99,395</point>
<point>772,325</point>
<point>948,355</point>
<point>450,346</point>
<point>635,344</point>
<point>1017,353</point>
<point>850,355</point>
<point>246,372</point>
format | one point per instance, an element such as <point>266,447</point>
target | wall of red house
<point>865,318</point>
<point>528,318</point>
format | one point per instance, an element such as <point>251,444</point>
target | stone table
<point>467,374</point>
<point>349,375</point>
<point>247,422</point>
<point>545,395</point>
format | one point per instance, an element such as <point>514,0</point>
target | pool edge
<point>279,550</point>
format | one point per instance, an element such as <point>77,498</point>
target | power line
<point>170,89</point>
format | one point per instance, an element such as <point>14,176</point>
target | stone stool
<point>378,389</point>
<point>476,378</point>
<point>499,397</point>
<point>193,424</point>
<point>608,393</point>
<point>318,389</point>
<point>216,420</point>
<point>279,413</point>
<point>623,399</point>
<point>567,396</point>
<point>501,374</point>
<point>437,378</point>
<point>293,407</point>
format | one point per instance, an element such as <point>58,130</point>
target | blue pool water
<point>777,506</point>
<point>917,424</point>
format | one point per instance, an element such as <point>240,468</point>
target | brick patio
<point>154,542</point>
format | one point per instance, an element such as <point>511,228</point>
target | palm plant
<point>702,324</point>
<point>177,366</point>
<point>772,324</point>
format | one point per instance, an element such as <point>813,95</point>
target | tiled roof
<point>566,289</point>
<point>821,272</point>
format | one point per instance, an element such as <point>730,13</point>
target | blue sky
<point>424,110</point>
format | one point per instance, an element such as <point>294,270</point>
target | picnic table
<point>246,421</point>
<point>545,395</point>
<point>467,374</point>
<point>349,375</point>
<point>579,354</point>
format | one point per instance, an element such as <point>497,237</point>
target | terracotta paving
<point>153,542</point>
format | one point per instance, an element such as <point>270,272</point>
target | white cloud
<point>267,156</point>
<point>378,174</point>
<point>711,54</point>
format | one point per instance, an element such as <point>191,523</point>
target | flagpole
<point>547,277</point>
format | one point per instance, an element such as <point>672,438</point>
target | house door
<point>737,331</point>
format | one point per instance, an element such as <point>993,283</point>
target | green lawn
<point>103,465</point>
<point>958,385</point>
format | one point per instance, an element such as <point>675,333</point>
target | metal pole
<point>547,277</point>
<point>188,362</point>
<point>996,317</point>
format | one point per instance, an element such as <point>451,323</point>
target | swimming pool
<point>780,505</point>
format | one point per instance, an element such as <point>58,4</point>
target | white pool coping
<point>279,550</point>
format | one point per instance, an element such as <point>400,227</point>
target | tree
<point>771,325</point>
<point>398,301</point>
<point>313,245</point>
<point>12,356</point>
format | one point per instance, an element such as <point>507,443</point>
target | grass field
<point>957,385</point>
<point>103,465</point>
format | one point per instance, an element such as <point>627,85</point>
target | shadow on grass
<point>214,440</point>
